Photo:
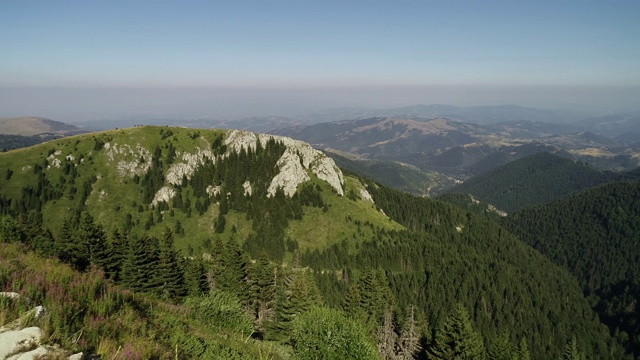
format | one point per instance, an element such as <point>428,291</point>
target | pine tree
<point>169,272</point>
<point>522,353</point>
<point>118,248</point>
<point>195,277</point>
<point>457,339</point>
<point>409,340</point>
<point>502,348</point>
<point>387,337</point>
<point>93,239</point>
<point>140,264</point>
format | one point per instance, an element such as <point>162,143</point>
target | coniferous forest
<point>221,271</point>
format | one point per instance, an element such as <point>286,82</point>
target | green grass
<point>319,229</point>
<point>114,196</point>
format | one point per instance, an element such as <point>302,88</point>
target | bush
<point>222,310</point>
<point>323,333</point>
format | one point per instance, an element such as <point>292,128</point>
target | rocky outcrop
<point>24,343</point>
<point>247,188</point>
<point>294,163</point>
<point>213,190</point>
<point>292,173</point>
<point>186,168</point>
<point>165,194</point>
<point>130,161</point>
<point>365,196</point>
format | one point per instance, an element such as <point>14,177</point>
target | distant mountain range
<point>36,126</point>
<point>27,131</point>
<point>461,150</point>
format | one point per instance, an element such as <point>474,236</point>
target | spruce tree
<point>522,353</point>
<point>502,348</point>
<point>139,265</point>
<point>69,247</point>
<point>263,278</point>
<point>93,239</point>
<point>169,272</point>
<point>456,339</point>
<point>118,248</point>
<point>195,277</point>
<point>409,340</point>
<point>387,337</point>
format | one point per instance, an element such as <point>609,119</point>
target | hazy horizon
<point>77,105</point>
<point>93,60</point>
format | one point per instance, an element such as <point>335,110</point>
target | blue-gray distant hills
<point>460,150</point>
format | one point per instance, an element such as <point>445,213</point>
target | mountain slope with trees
<point>535,180</point>
<point>174,213</point>
<point>595,235</point>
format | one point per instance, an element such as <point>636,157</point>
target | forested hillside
<point>535,180</point>
<point>595,234</point>
<point>267,236</point>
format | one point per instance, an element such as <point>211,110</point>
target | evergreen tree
<point>522,352</point>
<point>409,340</point>
<point>387,337</point>
<point>169,272</point>
<point>571,351</point>
<point>139,265</point>
<point>232,270</point>
<point>456,339</point>
<point>94,240</point>
<point>502,348</point>
<point>195,277</point>
<point>69,247</point>
<point>263,278</point>
<point>118,248</point>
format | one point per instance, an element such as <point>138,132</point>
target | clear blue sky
<point>321,44</point>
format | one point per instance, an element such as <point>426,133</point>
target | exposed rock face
<point>165,194</point>
<point>247,188</point>
<point>130,162</point>
<point>213,190</point>
<point>291,174</point>
<point>365,196</point>
<point>298,157</point>
<point>24,343</point>
<point>191,162</point>
<point>13,340</point>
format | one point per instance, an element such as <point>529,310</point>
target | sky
<point>95,59</point>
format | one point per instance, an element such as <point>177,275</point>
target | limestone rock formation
<point>130,162</point>
<point>298,157</point>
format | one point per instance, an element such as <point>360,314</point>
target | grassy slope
<point>85,312</point>
<point>114,196</point>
